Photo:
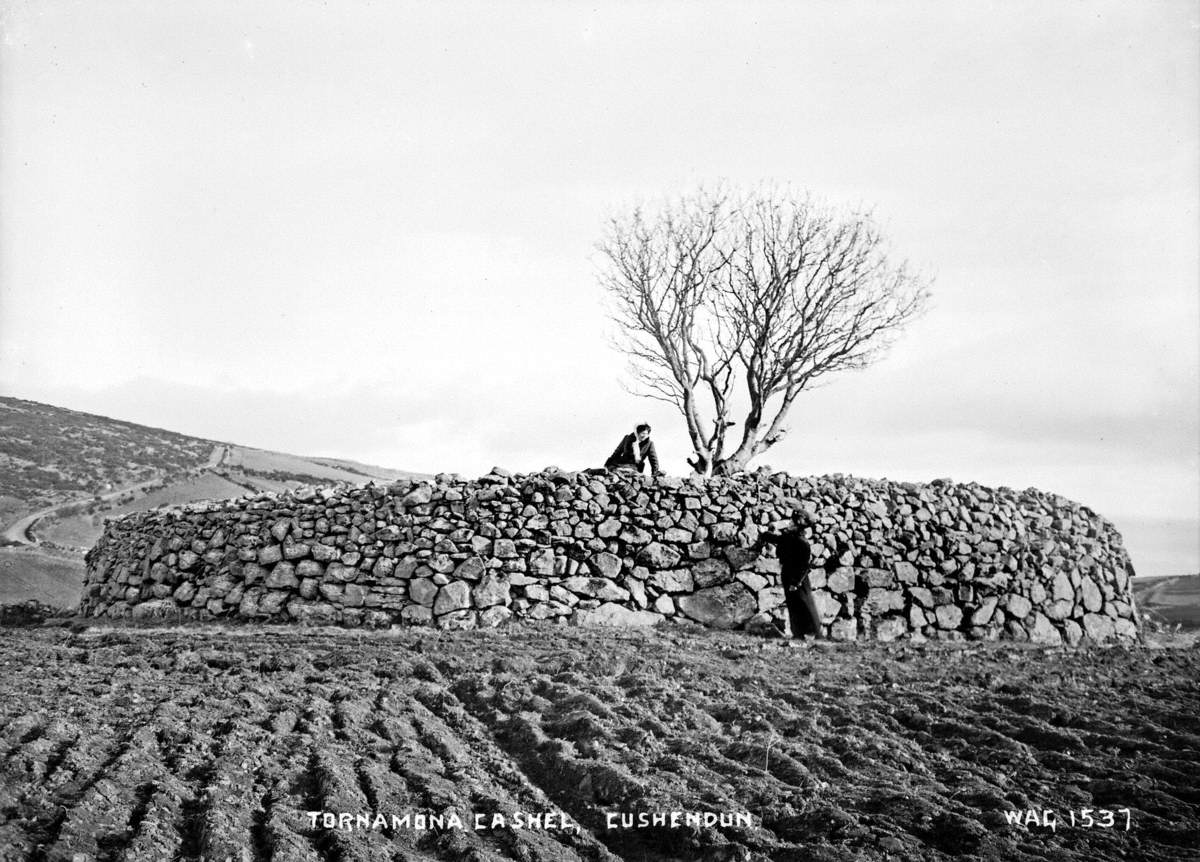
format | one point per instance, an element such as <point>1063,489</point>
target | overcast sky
<point>368,230</point>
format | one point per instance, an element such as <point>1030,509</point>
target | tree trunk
<point>747,449</point>
<point>735,463</point>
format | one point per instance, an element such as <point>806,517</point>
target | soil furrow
<point>97,818</point>
<point>156,836</point>
<point>192,743</point>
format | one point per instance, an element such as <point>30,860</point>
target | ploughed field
<point>216,743</point>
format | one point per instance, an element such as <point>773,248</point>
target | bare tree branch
<point>769,287</point>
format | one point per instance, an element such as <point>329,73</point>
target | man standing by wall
<point>795,560</point>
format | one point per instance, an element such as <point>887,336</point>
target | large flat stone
<point>612,614</point>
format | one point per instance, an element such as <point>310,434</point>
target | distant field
<point>281,466</point>
<point>1170,599</point>
<point>207,486</point>
<point>248,470</point>
<point>30,573</point>
<point>367,469</point>
<point>74,531</point>
<point>79,531</point>
<point>260,484</point>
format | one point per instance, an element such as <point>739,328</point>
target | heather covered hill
<point>62,472</point>
<point>51,454</point>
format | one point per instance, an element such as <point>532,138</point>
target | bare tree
<point>769,288</point>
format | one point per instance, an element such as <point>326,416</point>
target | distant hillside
<point>62,472</point>
<point>50,454</point>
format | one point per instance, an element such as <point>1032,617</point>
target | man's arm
<point>615,457</point>
<point>652,456</point>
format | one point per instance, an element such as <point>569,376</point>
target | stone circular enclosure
<point>890,559</point>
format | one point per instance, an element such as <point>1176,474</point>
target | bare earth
<point>212,743</point>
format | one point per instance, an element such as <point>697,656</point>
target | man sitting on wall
<point>795,560</point>
<point>634,451</point>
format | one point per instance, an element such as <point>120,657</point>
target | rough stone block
<point>672,581</point>
<point>658,556</point>
<point>637,590</point>
<point>983,614</point>
<point>605,565</point>
<point>878,578</point>
<point>295,550</point>
<point>494,616</point>
<point>455,596</point>
<point>948,616</point>
<point>699,550</point>
<point>1018,606</point>
<point>1098,627</point>
<point>416,614</point>
<point>890,628</point>
<point>724,607</point>
<point>272,604</point>
<point>597,588</point>
<point>338,571</point>
<point>880,601</point>
<point>1072,632</point>
<point>828,606</point>
<point>843,630</point>
<point>470,569</point>
<point>840,580</point>
<point>491,590</point>
<point>1042,631</point>
<point>905,572</point>
<point>1064,590</point>
<point>331,592</point>
<point>711,572</point>
<point>323,553</point>
<point>1058,610</point>
<point>1089,595</point>
<point>541,562</point>
<point>754,582</point>
<point>422,591</point>
<point>282,576</point>
<point>310,569</point>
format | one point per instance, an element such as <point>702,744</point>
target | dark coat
<point>795,560</point>
<point>793,551</point>
<point>622,456</point>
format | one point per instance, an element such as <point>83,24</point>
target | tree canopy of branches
<point>766,288</point>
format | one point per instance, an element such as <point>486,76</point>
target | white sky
<point>367,230</point>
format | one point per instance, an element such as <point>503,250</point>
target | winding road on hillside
<point>18,533</point>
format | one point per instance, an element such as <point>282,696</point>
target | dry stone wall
<point>938,560</point>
